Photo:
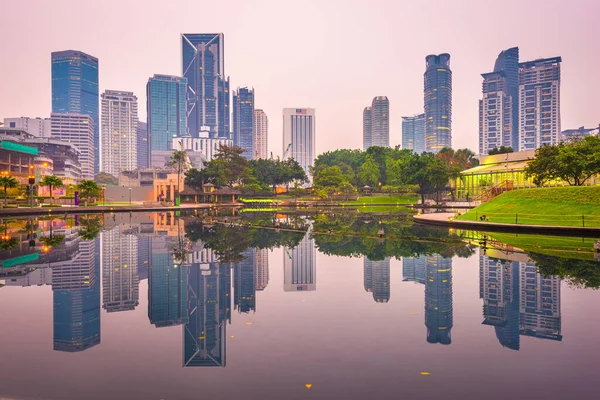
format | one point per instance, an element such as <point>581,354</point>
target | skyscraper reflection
<point>261,269</point>
<point>244,295</point>
<point>413,269</point>
<point>438,299</point>
<point>377,279</point>
<point>120,276</point>
<point>299,266</point>
<point>209,308</point>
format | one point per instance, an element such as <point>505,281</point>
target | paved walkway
<point>447,219</point>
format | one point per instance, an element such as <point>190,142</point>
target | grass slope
<point>562,206</point>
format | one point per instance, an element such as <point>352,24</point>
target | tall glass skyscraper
<point>208,88</point>
<point>75,89</point>
<point>377,278</point>
<point>508,62</point>
<point>376,123</point>
<point>243,121</point>
<point>438,103</point>
<point>413,133</point>
<point>166,111</point>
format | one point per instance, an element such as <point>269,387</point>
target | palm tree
<point>88,189</point>
<point>8,182</point>
<point>90,227</point>
<point>52,181</point>
<point>180,163</point>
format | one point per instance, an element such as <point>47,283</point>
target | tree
<point>330,177</point>
<point>52,181</point>
<point>103,178</point>
<point>573,162</point>
<point>88,189</point>
<point>275,172</point>
<point>194,178</point>
<point>501,150</point>
<point>8,182</point>
<point>180,163</point>
<point>369,172</point>
<point>228,167</point>
<point>431,174</point>
<point>90,226</point>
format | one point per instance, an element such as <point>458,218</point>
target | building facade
<point>261,269</point>
<point>166,110</point>
<point>438,299</point>
<point>569,135</point>
<point>508,63</point>
<point>243,121</point>
<point>143,159</point>
<point>413,133</point>
<point>203,145</point>
<point>300,266</point>
<point>376,123</point>
<point>261,134</point>
<point>438,103</point>
<point>75,90</point>
<point>299,134</point>
<point>495,113</point>
<point>77,129</point>
<point>119,132</point>
<point>40,127</point>
<point>377,279</point>
<point>539,103</point>
<point>203,62</point>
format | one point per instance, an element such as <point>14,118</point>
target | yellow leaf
<point>308,385</point>
<point>424,372</point>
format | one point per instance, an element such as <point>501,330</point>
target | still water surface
<point>158,306</point>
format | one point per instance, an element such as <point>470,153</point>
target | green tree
<point>88,189</point>
<point>228,167</point>
<point>52,181</point>
<point>369,172</point>
<point>330,177</point>
<point>180,163</point>
<point>501,150</point>
<point>8,182</point>
<point>194,178</point>
<point>90,226</point>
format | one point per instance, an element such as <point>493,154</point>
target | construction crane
<point>287,149</point>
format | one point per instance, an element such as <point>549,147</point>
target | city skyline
<point>401,86</point>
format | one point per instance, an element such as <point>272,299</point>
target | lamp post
<point>129,196</point>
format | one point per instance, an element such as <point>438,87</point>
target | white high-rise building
<point>376,123</point>
<point>299,130</point>
<point>77,129</point>
<point>40,127</point>
<point>119,132</point>
<point>300,266</point>
<point>539,103</point>
<point>261,134</point>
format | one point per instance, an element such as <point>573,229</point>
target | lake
<point>226,305</point>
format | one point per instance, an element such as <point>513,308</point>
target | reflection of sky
<point>336,338</point>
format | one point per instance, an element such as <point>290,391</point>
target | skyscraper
<point>438,299</point>
<point>413,133</point>
<point>377,279</point>
<point>143,159</point>
<point>243,121</point>
<point>40,127</point>
<point>539,103</point>
<point>244,295</point>
<point>495,113</point>
<point>119,132</point>
<point>299,266</point>
<point>166,109</point>
<point>299,129</point>
<point>377,118</point>
<point>77,129</point>
<point>508,62</point>
<point>261,134</point>
<point>438,103</point>
<point>120,276</point>
<point>261,269</point>
<point>208,88</point>
<point>75,90</point>
<point>413,269</point>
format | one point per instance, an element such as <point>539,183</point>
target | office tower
<point>539,103</point>
<point>377,279</point>
<point>367,128</point>
<point>243,121</point>
<point>143,159</point>
<point>539,303</point>
<point>438,299</point>
<point>208,88</point>
<point>119,132</point>
<point>300,266</point>
<point>244,294</point>
<point>40,127</point>
<point>166,110</point>
<point>167,287</point>
<point>376,123</point>
<point>413,269</point>
<point>120,276</point>
<point>77,129</point>
<point>76,300</point>
<point>261,269</point>
<point>508,63</point>
<point>261,134</point>
<point>438,103</point>
<point>495,113</point>
<point>75,90</point>
<point>413,133</point>
<point>499,289</point>
<point>299,129</point>
<point>209,309</point>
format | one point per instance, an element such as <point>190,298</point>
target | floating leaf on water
<point>308,385</point>
<point>248,323</point>
<point>424,372</point>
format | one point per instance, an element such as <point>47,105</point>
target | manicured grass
<point>383,199</point>
<point>562,206</point>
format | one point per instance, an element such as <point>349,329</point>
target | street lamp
<point>130,196</point>
<point>31,180</point>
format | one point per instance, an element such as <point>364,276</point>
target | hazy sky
<point>332,55</point>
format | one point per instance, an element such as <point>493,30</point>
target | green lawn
<point>562,206</point>
<point>383,199</point>
<point>558,246</point>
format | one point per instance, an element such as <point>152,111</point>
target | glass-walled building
<point>413,133</point>
<point>166,111</point>
<point>438,103</point>
<point>243,121</point>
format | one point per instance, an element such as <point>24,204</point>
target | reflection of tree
<point>90,226</point>
<point>52,240</point>
<point>579,273</point>
<point>180,248</point>
<point>8,244</point>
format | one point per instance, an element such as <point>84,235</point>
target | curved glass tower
<point>438,103</point>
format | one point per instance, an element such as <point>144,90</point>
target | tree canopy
<point>500,150</point>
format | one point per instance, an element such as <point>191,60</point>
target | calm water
<point>159,306</point>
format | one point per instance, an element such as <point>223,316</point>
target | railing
<point>494,191</point>
<point>575,220</point>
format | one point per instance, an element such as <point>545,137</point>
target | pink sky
<point>332,55</point>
